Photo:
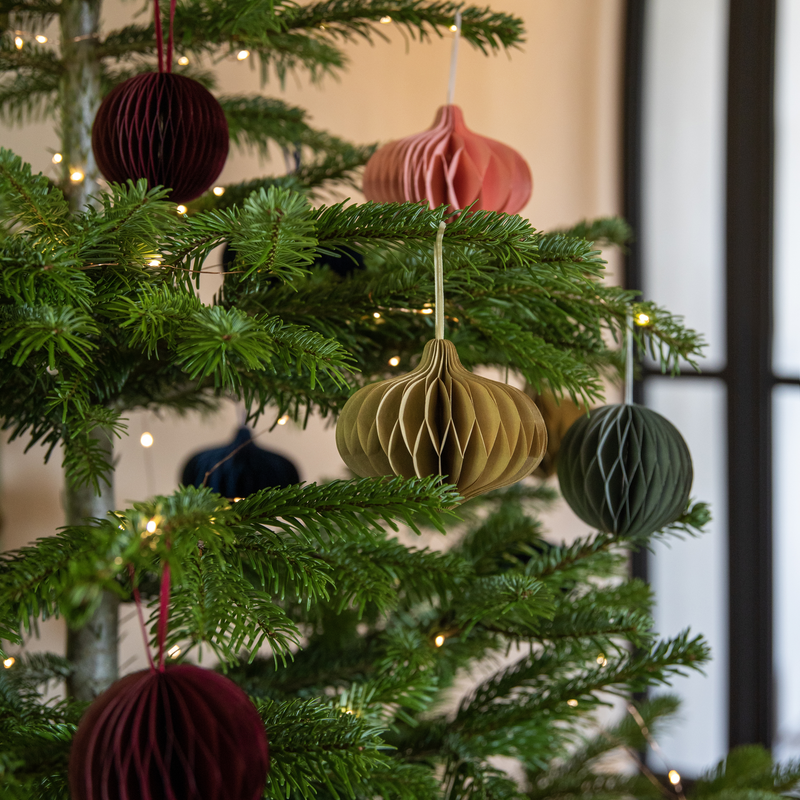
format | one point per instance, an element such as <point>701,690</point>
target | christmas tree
<point>348,639</point>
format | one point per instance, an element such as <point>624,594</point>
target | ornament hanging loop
<point>451,87</point>
<point>629,357</point>
<point>438,280</point>
<point>160,36</point>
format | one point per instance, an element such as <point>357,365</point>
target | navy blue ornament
<point>248,470</point>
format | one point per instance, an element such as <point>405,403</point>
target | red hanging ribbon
<point>160,35</point>
<point>163,615</point>
<point>138,600</point>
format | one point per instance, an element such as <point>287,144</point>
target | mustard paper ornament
<point>441,419</point>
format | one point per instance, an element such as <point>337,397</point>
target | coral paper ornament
<point>449,164</point>
<point>440,419</point>
<point>163,127</point>
<point>185,733</point>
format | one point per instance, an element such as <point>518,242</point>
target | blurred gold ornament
<point>440,419</point>
<point>558,414</point>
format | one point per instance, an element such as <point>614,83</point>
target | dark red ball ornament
<point>163,127</point>
<point>183,733</point>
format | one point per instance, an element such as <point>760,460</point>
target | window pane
<point>786,557</point>
<point>683,164</point>
<point>690,577</point>
<point>787,190</point>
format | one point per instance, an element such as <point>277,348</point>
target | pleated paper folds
<point>440,419</point>
<point>449,164</point>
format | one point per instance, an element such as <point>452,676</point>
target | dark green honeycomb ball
<point>625,469</point>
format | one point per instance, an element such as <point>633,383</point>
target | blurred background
<point>683,115</point>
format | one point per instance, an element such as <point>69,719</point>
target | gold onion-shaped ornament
<point>441,419</point>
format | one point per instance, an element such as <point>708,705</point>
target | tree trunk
<point>92,649</point>
<point>80,96</point>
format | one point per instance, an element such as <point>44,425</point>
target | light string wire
<point>438,280</point>
<point>451,87</point>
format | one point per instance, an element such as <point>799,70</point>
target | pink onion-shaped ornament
<point>163,127</point>
<point>449,164</point>
<point>183,733</point>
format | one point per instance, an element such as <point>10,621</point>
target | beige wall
<point>555,100</point>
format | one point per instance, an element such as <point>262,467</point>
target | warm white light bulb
<point>76,176</point>
<point>602,660</point>
<point>242,55</point>
<point>439,640</point>
<point>151,526</point>
<point>394,361</point>
<point>572,703</point>
<point>155,262</point>
<point>376,314</point>
<point>9,662</point>
<point>146,439</point>
<point>174,651</point>
<point>283,420</point>
<point>219,191</point>
<point>181,209</point>
<point>183,61</point>
<point>454,28</point>
<point>386,20</point>
<point>674,777</point>
<point>18,42</point>
<point>57,158</point>
<point>642,319</point>
<point>426,311</point>
<point>41,39</point>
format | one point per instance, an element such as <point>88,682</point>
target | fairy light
<point>118,560</point>
<point>183,61</point>
<point>219,191</point>
<point>242,55</point>
<point>237,499</point>
<point>154,262</point>
<point>151,526</point>
<point>439,640</point>
<point>323,27</point>
<point>18,42</point>
<point>174,651</point>
<point>572,703</point>
<point>283,420</point>
<point>146,439</point>
<point>376,314</point>
<point>181,209</point>
<point>386,20</point>
<point>42,39</point>
<point>394,361</point>
<point>9,662</point>
<point>426,311</point>
<point>642,319</point>
<point>76,176</point>
<point>602,660</point>
<point>674,777</point>
<point>57,158</point>
<point>454,28</point>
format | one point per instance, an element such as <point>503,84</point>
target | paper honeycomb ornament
<point>625,469</point>
<point>449,164</point>
<point>166,128</point>
<point>184,732</point>
<point>441,419</point>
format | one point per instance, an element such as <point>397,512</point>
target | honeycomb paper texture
<point>440,419</point>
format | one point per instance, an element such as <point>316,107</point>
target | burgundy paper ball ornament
<point>184,733</point>
<point>449,164</point>
<point>163,127</point>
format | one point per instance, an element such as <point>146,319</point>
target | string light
<point>118,559</point>
<point>219,191</point>
<point>146,439</point>
<point>572,703</point>
<point>181,209</point>
<point>155,262</point>
<point>151,526</point>
<point>9,662</point>
<point>602,660</point>
<point>386,20</point>
<point>76,176</point>
<point>439,640</point>
<point>454,28</point>
<point>376,314</point>
<point>642,319</point>
<point>57,158</point>
<point>41,38</point>
<point>674,777</point>
<point>174,651</point>
<point>283,420</point>
<point>323,27</point>
<point>426,311</point>
<point>18,42</point>
<point>242,55</point>
<point>394,361</point>
<point>237,499</point>
<point>183,61</point>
